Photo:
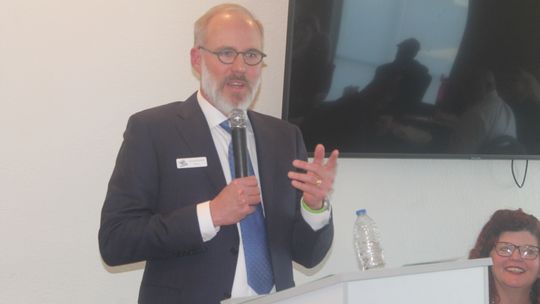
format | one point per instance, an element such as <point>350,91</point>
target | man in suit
<point>173,201</point>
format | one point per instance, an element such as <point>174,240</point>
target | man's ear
<point>196,60</point>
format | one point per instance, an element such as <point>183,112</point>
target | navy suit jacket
<point>150,208</point>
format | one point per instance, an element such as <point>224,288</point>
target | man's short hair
<point>202,23</point>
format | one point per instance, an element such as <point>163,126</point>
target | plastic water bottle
<point>367,243</point>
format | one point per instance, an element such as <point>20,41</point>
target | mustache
<point>236,77</point>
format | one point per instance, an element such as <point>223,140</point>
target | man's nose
<point>238,64</point>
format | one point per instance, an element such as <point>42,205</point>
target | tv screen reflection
<point>416,77</point>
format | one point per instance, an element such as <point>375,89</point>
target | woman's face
<point>514,271</point>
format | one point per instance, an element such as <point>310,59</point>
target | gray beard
<point>212,90</point>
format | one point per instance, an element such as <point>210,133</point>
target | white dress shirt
<point>222,140</point>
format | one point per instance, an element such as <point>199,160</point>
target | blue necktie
<point>258,266</point>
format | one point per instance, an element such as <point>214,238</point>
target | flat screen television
<point>415,78</point>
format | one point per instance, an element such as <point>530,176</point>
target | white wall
<point>72,71</point>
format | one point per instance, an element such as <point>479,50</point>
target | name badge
<point>191,162</point>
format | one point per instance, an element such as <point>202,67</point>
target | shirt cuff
<point>206,225</point>
<point>316,220</point>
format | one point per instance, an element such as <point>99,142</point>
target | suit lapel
<point>194,130</point>
<point>266,158</point>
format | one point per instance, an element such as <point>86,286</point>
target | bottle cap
<point>361,212</point>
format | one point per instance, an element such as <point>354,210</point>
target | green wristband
<point>315,211</point>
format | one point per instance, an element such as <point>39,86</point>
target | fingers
<point>332,160</point>
<point>318,154</point>
<point>247,190</point>
<point>249,181</point>
<point>237,200</point>
<point>317,181</point>
<point>311,189</point>
<point>318,167</point>
<point>309,179</point>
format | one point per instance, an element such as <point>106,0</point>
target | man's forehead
<point>231,19</point>
<point>227,28</point>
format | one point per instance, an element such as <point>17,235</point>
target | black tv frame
<point>405,155</point>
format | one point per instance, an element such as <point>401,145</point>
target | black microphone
<point>237,121</point>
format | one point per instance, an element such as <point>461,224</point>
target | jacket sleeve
<point>131,228</point>
<point>309,247</point>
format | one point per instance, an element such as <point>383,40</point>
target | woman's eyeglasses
<point>527,252</point>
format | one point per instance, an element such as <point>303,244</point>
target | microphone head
<point>237,118</point>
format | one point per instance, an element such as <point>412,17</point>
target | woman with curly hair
<point>511,238</point>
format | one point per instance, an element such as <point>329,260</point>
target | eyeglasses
<point>527,252</point>
<point>228,55</point>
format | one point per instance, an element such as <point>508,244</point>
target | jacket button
<point>234,250</point>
